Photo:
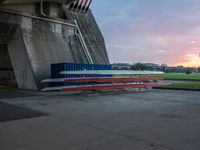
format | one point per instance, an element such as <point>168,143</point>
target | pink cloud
<point>151,31</point>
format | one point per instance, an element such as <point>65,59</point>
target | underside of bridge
<point>34,37</point>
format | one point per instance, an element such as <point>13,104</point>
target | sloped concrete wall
<point>92,35</point>
<point>21,63</point>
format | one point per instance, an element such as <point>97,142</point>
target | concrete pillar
<point>21,63</point>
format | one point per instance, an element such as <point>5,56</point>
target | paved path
<point>154,120</point>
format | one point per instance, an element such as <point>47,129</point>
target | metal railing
<point>85,48</point>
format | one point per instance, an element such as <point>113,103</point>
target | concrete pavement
<point>153,120</point>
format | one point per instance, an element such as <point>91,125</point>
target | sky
<point>158,31</point>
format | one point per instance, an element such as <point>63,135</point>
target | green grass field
<point>183,77</point>
<point>182,86</point>
<point>171,76</point>
<point>179,76</point>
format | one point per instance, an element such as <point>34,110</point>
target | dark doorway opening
<point>7,76</point>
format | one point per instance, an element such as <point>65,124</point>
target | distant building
<point>156,67</point>
<point>178,69</point>
<point>151,65</point>
<point>121,66</point>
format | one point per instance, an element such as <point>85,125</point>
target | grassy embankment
<point>179,76</point>
<point>193,85</point>
<point>170,76</point>
<point>182,86</point>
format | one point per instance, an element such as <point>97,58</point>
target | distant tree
<point>163,65</point>
<point>188,72</point>
<point>139,66</point>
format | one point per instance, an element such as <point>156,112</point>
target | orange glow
<point>191,60</point>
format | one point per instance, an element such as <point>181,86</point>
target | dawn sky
<point>159,31</point>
